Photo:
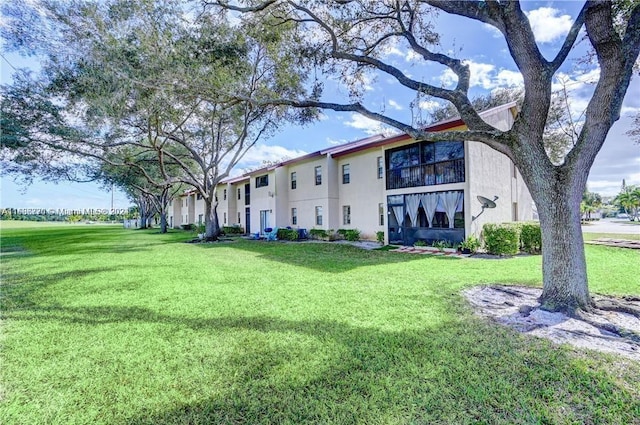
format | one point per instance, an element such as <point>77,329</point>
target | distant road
<point>612,225</point>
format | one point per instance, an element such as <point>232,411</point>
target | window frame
<point>318,175</point>
<point>346,173</point>
<point>346,215</point>
<point>262,181</point>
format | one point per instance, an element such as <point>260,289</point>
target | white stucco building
<point>407,189</point>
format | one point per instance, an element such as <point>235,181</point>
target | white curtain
<point>450,201</point>
<point>429,203</point>
<point>399,213</point>
<point>413,203</point>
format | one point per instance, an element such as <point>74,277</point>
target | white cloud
<point>548,25</point>
<point>336,142</point>
<point>260,153</point>
<point>412,56</point>
<point>395,105</point>
<point>509,78</point>
<point>483,75</point>
<point>369,126</point>
<point>429,105</point>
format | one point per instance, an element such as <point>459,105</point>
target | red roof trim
<point>402,137</point>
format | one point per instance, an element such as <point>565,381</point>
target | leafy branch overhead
<point>349,40</point>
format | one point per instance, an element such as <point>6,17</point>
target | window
<point>514,211</point>
<point>425,164</point>
<point>239,195</point>
<point>319,216</point>
<point>224,219</point>
<point>318,171</point>
<point>380,167</point>
<point>224,195</point>
<point>294,180</point>
<point>238,217</point>
<point>198,196</point>
<point>200,216</point>
<point>346,214</point>
<point>381,214</point>
<point>171,202</point>
<point>294,216</point>
<point>262,181</point>
<point>345,174</point>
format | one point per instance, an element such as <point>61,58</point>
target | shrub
<point>380,237</point>
<point>531,238</point>
<point>233,230</point>
<point>471,243</point>
<point>187,226</point>
<point>352,235</point>
<point>420,243</point>
<point>501,239</point>
<point>441,245</point>
<point>318,234</point>
<point>287,234</point>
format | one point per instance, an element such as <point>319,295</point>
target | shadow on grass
<point>69,240</point>
<point>322,256</point>
<point>320,371</point>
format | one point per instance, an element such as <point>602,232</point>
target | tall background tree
<point>161,77</point>
<point>347,40</point>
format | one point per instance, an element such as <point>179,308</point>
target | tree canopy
<point>349,39</point>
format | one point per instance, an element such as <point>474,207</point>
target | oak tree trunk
<point>564,268</point>
<point>211,224</point>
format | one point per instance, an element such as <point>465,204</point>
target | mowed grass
<point>102,325</point>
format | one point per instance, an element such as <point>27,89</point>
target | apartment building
<point>409,190</point>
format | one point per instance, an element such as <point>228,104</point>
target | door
<point>247,220</point>
<point>264,220</point>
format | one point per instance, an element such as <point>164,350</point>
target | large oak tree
<point>347,39</point>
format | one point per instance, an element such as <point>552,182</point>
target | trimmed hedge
<point>531,238</point>
<point>501,239</point>
<point>287,234</point>
<point>318,234</point>
<point>352,235</point>
<point>233,230</point>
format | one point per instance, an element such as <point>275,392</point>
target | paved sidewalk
<point>614,225</point>
<point>428,250</point>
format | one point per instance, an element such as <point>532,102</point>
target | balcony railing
<point>426,174</point>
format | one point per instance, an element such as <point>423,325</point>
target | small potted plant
<point>470,245</point>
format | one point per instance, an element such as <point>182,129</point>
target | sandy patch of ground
<point>603,330</point>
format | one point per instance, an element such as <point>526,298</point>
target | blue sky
<point>491,67</point>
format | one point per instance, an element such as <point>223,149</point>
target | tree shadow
<point>458,371</point>
<point>72,240</point>
<point>326,257</point>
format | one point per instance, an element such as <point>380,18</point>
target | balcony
<point>426,175</point>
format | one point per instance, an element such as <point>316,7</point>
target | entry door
<point>247,220</point>
<point>264,220</point>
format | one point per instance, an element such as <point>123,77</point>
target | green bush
<point>318,234</point>
<point>471,243</point>
<point>188,226</point>
<point>380,237</point>
<point>441,245</point>
<point>233,230</point>
<point>350,234</point>
<point>287,234</point>
<point>531,237</point>
<point>501,239</point>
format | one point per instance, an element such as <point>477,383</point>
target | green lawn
<point>102,325</point>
